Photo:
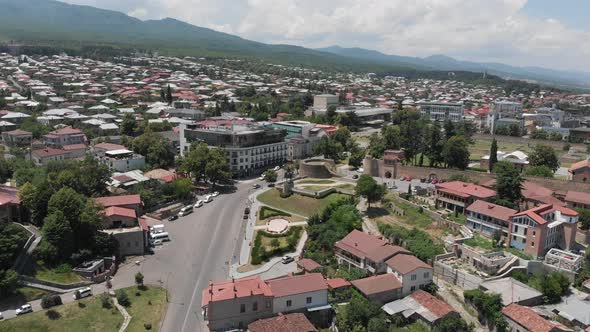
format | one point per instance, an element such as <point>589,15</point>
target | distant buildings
<point>324,101</point>
<point>580,171</point>
<point>458,195</point>
<point>441,111</point>
<point>517,158</point>
<point>302,137</point>
<point>505,113</point>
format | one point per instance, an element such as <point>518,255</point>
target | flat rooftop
<point>511,290</point>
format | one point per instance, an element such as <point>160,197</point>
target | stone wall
<point>317,168</point>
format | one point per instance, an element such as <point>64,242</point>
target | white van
<point>160,236</point>
<point>208,199</point>
<point>157,228</point>
<point>186,210</point>
<point>82,293</point>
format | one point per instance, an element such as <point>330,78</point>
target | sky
<point>547,33</point>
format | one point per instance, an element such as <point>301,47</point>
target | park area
<point>298,204</point>
<point>146,308</point>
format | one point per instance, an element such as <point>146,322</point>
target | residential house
<point>513,291</point>
<point>236,303</point>
<point>413,273</point>
<point>524,319</point>
<point>488,218</point>
<point>519,159</point>
<point>64,136</point>
<point>367,252</point>
<point>580,171</point>
<point>10,205</point>
<point>458,195</point>
<point>17,137</point>
<point>297,293</point>
<point>381,288</point>
<point>539,229</point>
<point>295,322</point>
<point>7,126</point>
<point>420,306</point>
<point>125,201</point>
<point>43,156</point>
<point>131,234</point>
<point>122,160</point>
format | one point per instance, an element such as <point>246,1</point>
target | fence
<point>54,284</point>
<point>456,277</point>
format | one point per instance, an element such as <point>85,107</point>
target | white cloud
<point>482,30</point>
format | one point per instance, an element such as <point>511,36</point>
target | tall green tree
<point>450,130</point>
<point>376,146</point>
<point>391,137</point>
<point>169,98</point>
<point>157,150</point>
<point>217,169</point>
<point>456,152</point>
<point>128,125</point>
<point>329,148</point>
<point>493,154</point>
<point>544,155</point>
<point>195,161</point>
<point>435,144</point>
<point>508,184</point>
<point>368,188</point>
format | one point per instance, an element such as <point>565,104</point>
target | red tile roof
<point>406,263</point>
<point>70,147</point>
<point>118,200</point>
<point>49,152</point>
<point>527,318</point>
<point>283,323</point>
<point>434,305</point>
<point>300,284</point>
<point>18,132</point>
<point>308,264</point>
<point>9,195</point>
<point>492,210</point>
<point>465,189</point>
<point>365,245</point>
<point>578,197</point>
<point>110,146</point>
<point>377,284</point>
<point>119,211</point>
<point>337,283</point>
<point>536,213</point>
<point>227,290</point>
<point>66,131</point>
<point>579,165</point>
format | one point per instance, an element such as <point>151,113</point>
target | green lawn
<point>93,317</point>
<point>62,274</point>
<point>480,242</point>
<point>346,186</point>
<point>143,312</point>
<point>266,212</point>
<point>315,181</point>
<point>412,216</point>
<point>315,188</point>
<point>303,205</point>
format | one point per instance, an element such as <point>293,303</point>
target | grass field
<point>480,242</point>
<point>93,317</point>
<point>412,215</point>
<point>62,274</point>
<point>315,181</point>
<point>305,206</point>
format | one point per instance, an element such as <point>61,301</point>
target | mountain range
<point>51,23</point>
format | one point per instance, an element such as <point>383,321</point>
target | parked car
<point>256,186</point>
<point>403,178</point>
<point>198,204</point>
<point>82,293</point>
<point>422,180</point>
<point>208,199</point>
<point>360,170</point>
<point>185,211</point>
<point>276,168</point>
<point>408,178</point>
<point>271,185</point>
<point>262,177</point>
<point>24,309</point>
<point>355,176</point>
<point>287,259</point>
<point>215,193</point>
<point>173,217</point>
<point>247,210</point>
<point>246,216</point>
<point>435,181</point>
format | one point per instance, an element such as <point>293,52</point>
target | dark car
<point>256,186</point>
<point>271,185</point>
<point>173,217</point>
<point>247,210</point>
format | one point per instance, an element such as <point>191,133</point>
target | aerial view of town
<point>211,165</point>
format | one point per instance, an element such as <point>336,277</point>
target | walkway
<point>291,224</point>
<point>123,311</point>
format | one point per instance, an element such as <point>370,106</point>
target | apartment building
<point>458,195</point>
<point>442,111</point>
<point>251,147</point>
<point>17,138</point>
<point>503,109</point>
<point>577,200</point>
<point>366,252</point>
<point>302,137</point>
<point>122,160</point>
<point>297,293</point>
<point>324,101</point>
<point>487,218</point>
<point>539,229</point>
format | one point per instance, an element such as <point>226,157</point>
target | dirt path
<point>454,297</point>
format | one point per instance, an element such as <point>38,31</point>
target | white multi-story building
<point>441,111</point>
<point>503,109</point>
<point>251,148</point>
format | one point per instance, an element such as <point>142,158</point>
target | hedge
<point>259,254</point>
<point>267,212</point>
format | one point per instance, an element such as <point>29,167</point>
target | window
<point>268,304</point>
<point>255,306</point>
<point>413,277</point>
<point>308,300</point>
<point>289,303</point>
<point>532,244</point>
<point>413,288</point>
<point>534,233</point>
<point>426,275</point>
<point>242,307</point>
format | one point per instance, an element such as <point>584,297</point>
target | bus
<point>157,228</point>
<point>186,210</point>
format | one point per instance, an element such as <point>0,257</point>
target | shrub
<point>122,298</point>
<point>48,301</point>
<point>267,212</point>
<point>105,300</point>
<point>147,326</point>
<point>81,304</point>
<point>52,314</point>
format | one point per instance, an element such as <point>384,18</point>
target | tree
<point>368,188</point>
<point>158,151</point>
<point>391,137</point>
<point>195,161</point>
<point>544,155</point>
<point>122,298</point>
<point>449,129</point>
<point>182,188</point>
<point>331,114</point>
<point>342,136</point>
<point>493,154</point>
<point>58,232</point>
<point>139,279</point>
<point>169,95</point>
<point>329,148</point>
<point>540,171</point>
<point>456,153</point>
<point>8,282</point>
<point>270,176</point>
<point>128,125</point>
<point>376,146</point>
<point>217,169</point>
<point>584,219</point>
<point>451,323</point>
<point>508,184</point>
<point>357,155</point>
<point>435,145</point>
